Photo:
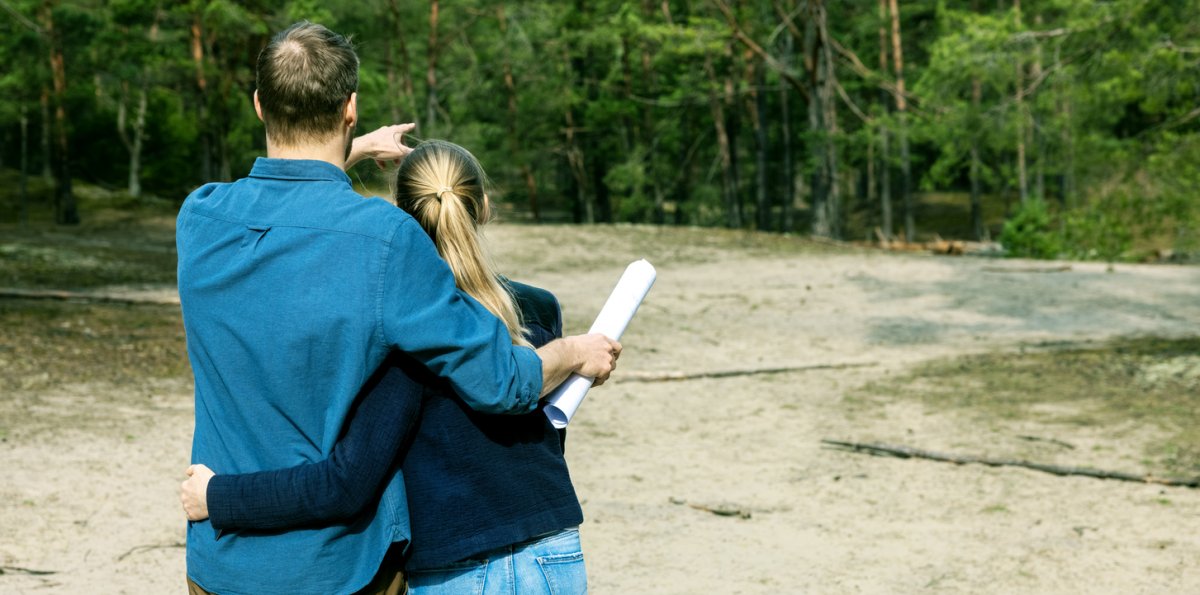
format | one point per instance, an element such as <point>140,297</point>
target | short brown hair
<point>305,76</point>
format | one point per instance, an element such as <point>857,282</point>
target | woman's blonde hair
<point>442,186</point>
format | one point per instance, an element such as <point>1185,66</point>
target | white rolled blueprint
<point>622,304</point>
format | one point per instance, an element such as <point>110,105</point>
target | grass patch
<point>122,240</point>
<point>1149,380</point>
<point>113,249</point>
<point>45,344</point>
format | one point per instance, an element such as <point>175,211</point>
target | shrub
<point>1030,233</point>
<point>1095,233</point>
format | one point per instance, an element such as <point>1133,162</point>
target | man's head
<point>306,78</point>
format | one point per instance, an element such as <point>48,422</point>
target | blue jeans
<point>552,565</point>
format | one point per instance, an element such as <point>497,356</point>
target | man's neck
<point>333,152</point>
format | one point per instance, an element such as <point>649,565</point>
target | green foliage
<point>605,110</point>
<point>1030,232</point>
<point>1097,234</point>
<point>1173,166</point>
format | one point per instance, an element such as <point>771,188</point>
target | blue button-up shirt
<point>293,289</point>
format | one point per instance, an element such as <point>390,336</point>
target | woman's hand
<point>194,492</point>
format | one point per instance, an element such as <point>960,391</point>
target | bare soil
<point>706,484</point>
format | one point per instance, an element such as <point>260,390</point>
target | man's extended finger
<point>190,470</point>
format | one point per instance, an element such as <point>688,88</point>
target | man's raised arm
<point>383,144</point>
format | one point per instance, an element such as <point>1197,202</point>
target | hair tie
<point>444,189</point>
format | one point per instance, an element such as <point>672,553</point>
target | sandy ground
<point>88,481</point>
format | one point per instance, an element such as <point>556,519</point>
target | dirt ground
<point>89,470</point>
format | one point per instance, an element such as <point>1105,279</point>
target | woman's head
<point>443,187</point>
<point>434,171</point>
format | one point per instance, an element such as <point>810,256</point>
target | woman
<point>490,498</point>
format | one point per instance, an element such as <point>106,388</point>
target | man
<point>293,290</point>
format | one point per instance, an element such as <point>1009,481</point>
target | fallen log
<point>906,452</point>
<point>29,571</point>
<point>673,376</point>
<point>87,296</point>
<point>1056,269</point>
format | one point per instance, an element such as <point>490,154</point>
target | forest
<point>1061,128</point>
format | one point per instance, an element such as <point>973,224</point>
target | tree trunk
<point>684,187</point>
<point>133,139</point>
<point>604,210</point>
<point>224,164</point>
<point>629,131</point>
<point>1022,176</point>
<point>220,116</point>
<point>47,159</point>
<point>65,210</point>
<point>814,65</point>
<point>23,185</point>
<point>733,129</point>
<point>885,153</point>
<point>910,226</point>
<point>583,211</point>
<point>787,222</point>
<point>871,193</point>
<point>723,145</point>
<point>1039,139</point>
<point>833,200</point>
<point>514,131</point>
<point>431,97</point>
<point>758,107</point>
<point>977,230</point>
<point>202,124</point>
<point>389,66</point>
<point>407,91</point>
<point>649,136</point>
<point>1068,147</point>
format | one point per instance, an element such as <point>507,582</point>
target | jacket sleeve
<point>338,487</point>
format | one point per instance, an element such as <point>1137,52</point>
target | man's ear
<point>258,107</point>
<point>350,116</point>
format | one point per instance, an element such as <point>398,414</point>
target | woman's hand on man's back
<point>194,492</point>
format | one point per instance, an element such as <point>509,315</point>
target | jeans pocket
<point>565,573</point>
<point>468,577</point>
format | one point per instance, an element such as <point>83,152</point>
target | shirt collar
<point>297,169</point>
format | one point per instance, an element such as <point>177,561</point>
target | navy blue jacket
<point>474,481</point>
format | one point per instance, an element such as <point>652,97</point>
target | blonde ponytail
<point>441,185</point>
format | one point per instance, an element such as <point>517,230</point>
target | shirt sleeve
<point>336,488</point>
<point>423,314</point>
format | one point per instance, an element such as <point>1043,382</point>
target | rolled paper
<point>622,304</point>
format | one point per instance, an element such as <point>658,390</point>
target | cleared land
<point>706,483</point>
